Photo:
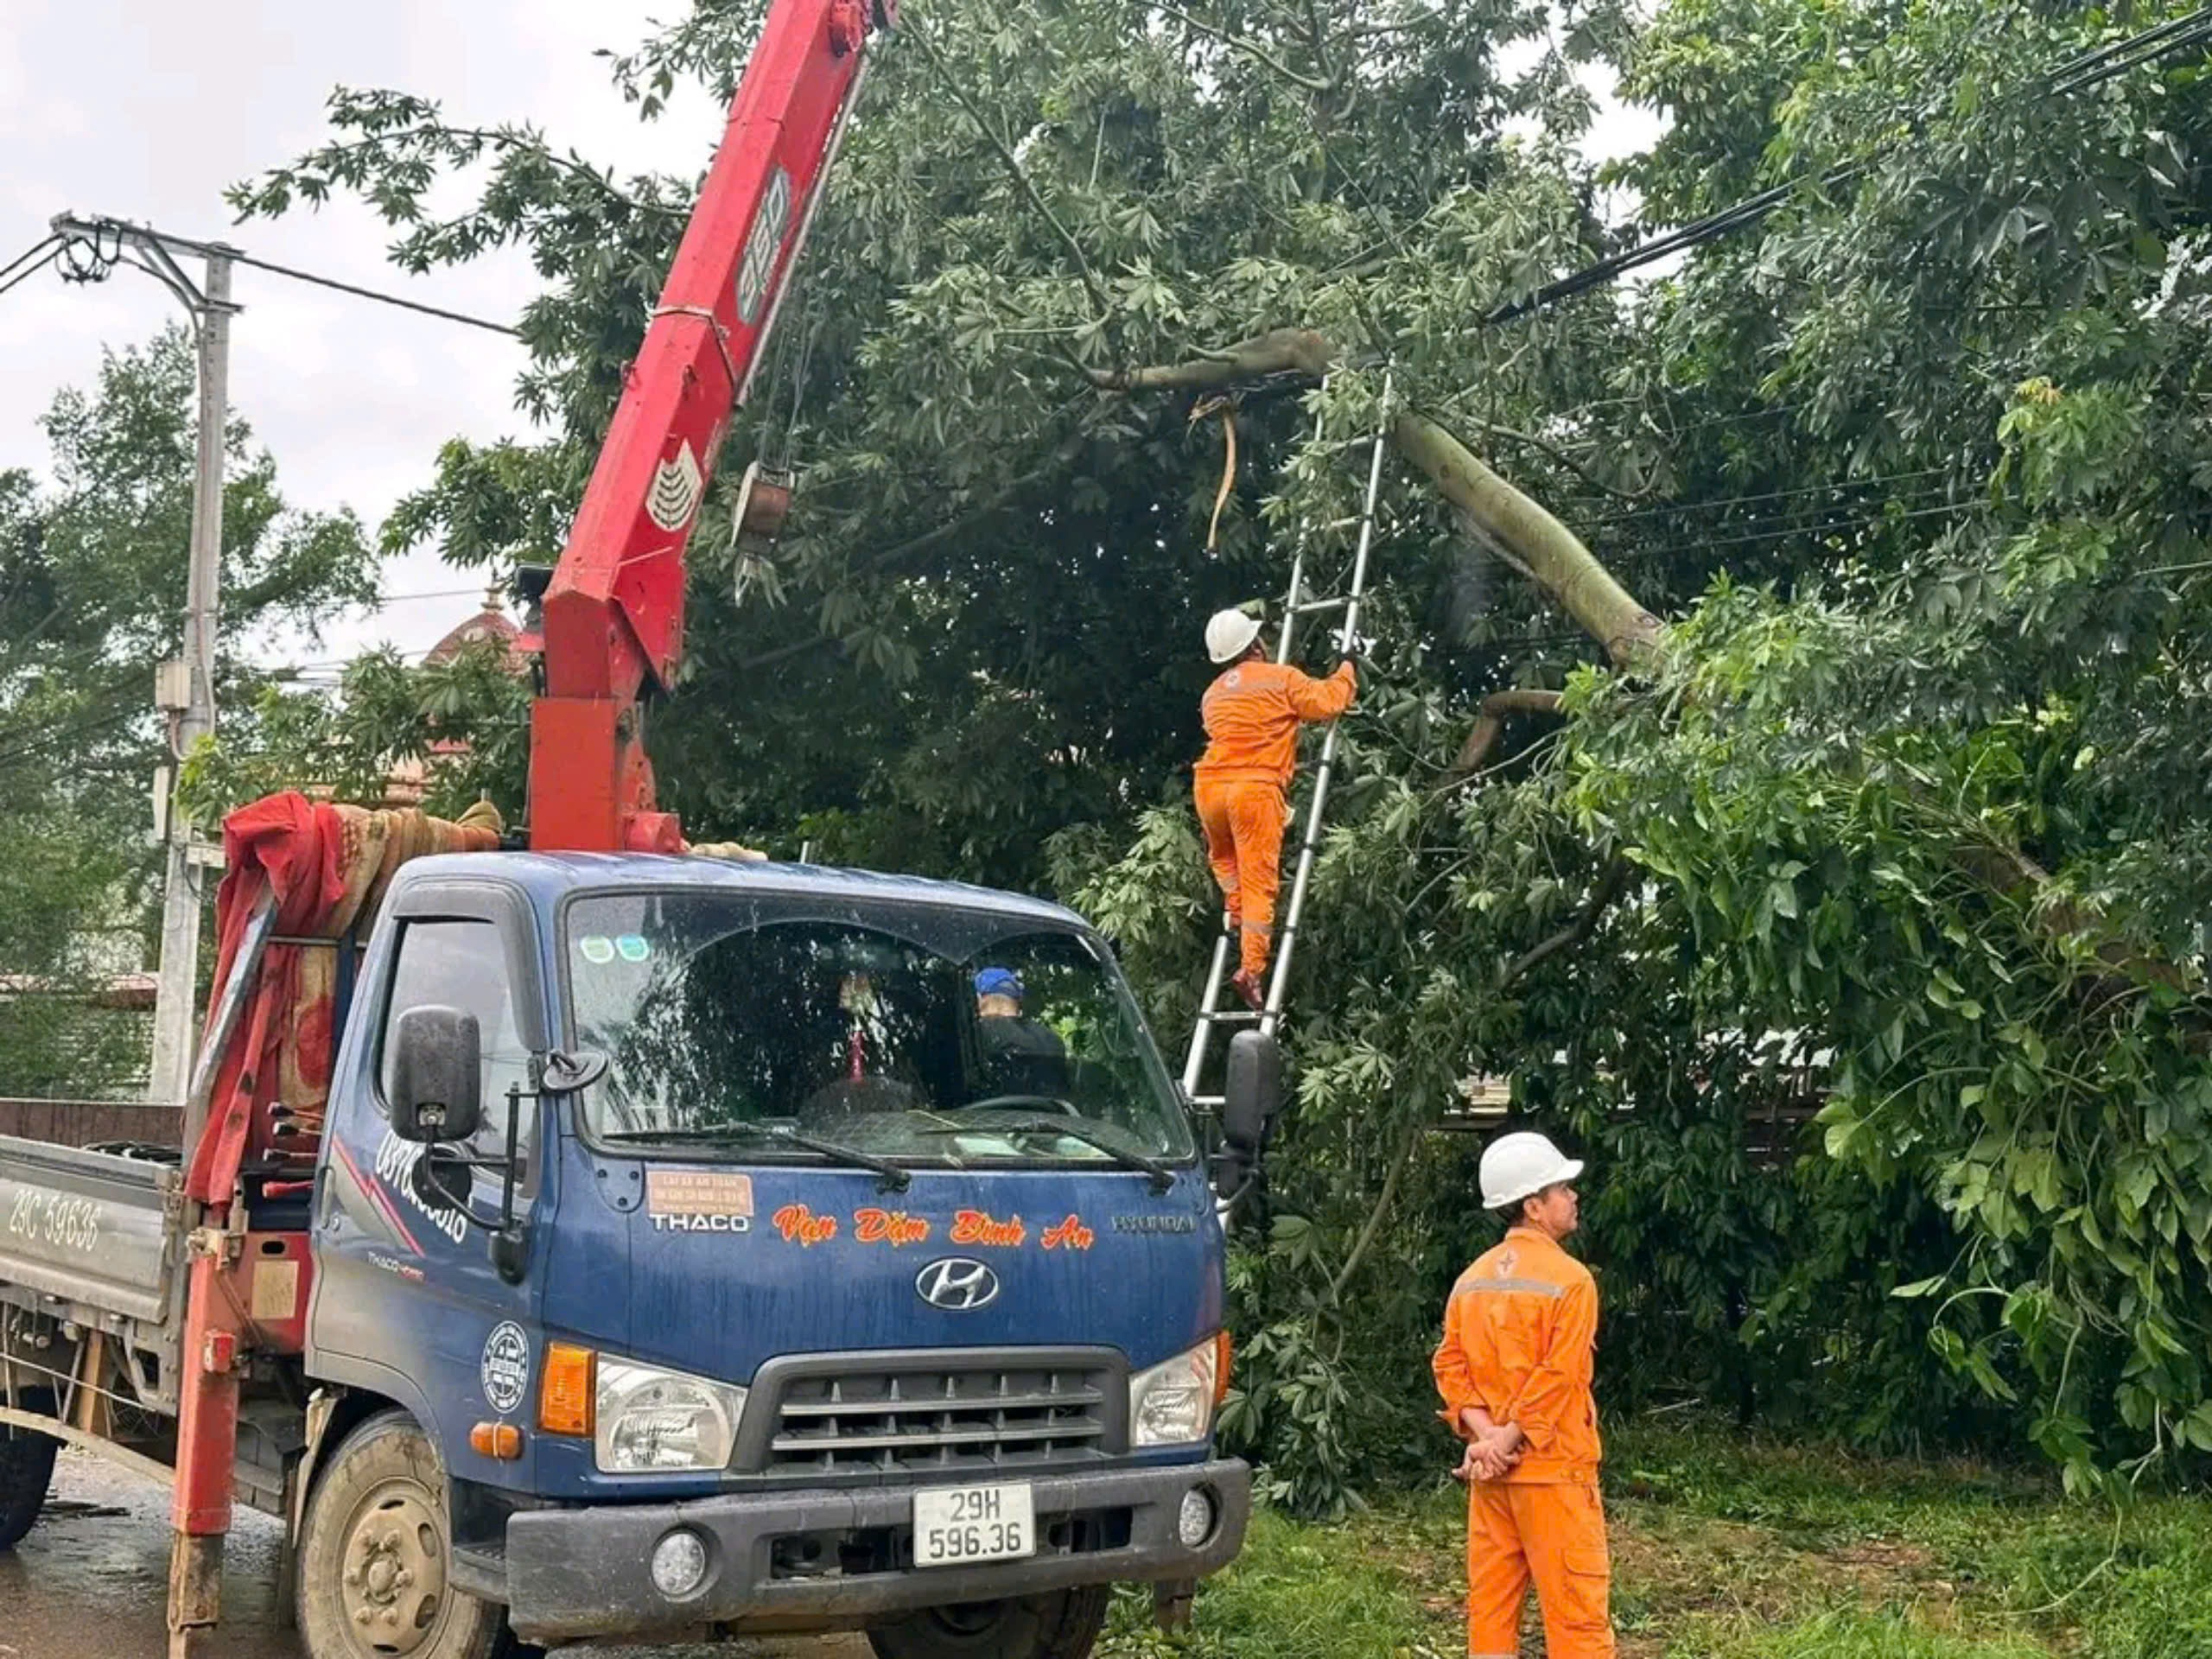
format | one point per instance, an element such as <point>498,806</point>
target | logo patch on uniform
<point>1508,1258</point>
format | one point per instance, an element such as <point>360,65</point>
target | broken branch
<point>1490,722</point>
<point>1277,352</point>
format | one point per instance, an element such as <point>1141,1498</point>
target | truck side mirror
<point>1252,1093</point>
<point>437,1077</point>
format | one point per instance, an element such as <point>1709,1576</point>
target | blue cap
<point>999,982</point>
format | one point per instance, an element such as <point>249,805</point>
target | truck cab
<point>754,1246</point>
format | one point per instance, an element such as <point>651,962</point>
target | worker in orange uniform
<point>1520,1334</point>
<point>1252,716</point>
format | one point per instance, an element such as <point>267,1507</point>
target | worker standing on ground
<point>1520,1335</point>
<point>1252,716</point>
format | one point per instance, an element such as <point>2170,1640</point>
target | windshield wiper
<point>890,1177</point>
<point>1075,1130</point>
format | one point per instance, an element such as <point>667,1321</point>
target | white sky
<point>146,109</point>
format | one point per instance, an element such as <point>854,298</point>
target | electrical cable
<point>25,267</point>
<point>1722,502</point>
<point>2076,75</point>
<point>372,294</point>
<point>89,259</point>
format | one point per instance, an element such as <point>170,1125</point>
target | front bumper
<point>796,1560</point>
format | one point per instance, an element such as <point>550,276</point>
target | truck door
<point>407,1301</point>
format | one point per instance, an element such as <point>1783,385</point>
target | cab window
<point>463,964</point>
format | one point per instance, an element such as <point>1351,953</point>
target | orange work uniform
<point>1252,716</point>
<point>1520,1336</point>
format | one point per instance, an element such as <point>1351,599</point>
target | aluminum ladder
<point>1297,603</point>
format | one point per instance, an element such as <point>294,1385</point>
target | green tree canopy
<point>1847,587</point>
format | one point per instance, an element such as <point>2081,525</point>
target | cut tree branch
<point>1490,722</point>
<point>1556,559</point>
<point>1280,351</point>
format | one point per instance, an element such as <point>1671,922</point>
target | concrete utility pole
<point>184,689</point>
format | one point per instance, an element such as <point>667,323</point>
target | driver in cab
<point>1020,1056</point>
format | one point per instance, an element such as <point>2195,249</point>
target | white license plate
<point>973,1523</point>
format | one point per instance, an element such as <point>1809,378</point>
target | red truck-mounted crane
<point>613,634</point>
<point>613,629</point>
<point>614,614</point>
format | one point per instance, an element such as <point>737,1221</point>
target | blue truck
<point>691,1247</point>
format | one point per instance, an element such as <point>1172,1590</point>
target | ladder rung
<point>1337,603</point>
<point>1209,1100</point>
<point>1230,1017</point>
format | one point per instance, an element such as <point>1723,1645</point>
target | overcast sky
<point>146,109</point>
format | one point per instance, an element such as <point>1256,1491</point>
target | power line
<point>2078,73</point>
<point>379,297</point>
<point>1723,502</point>
<point>30,262</point>
<point>81,241</point>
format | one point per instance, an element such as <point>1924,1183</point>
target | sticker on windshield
<point>633,947</point>
<point>597,949</point>
<point>505,1370</point>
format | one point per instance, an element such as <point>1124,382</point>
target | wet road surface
<point>90,1582</point>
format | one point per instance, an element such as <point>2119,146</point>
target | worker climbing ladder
<point>1298,602</point>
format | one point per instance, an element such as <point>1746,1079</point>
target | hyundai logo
<point>957,1284</point>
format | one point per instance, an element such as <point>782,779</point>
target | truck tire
<point>1062,1625</point>
<point>26,1470</point>
<point>373,1553</point>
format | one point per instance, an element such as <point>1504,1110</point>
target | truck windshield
<point>922,1033</point>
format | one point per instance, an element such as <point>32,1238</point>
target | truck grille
<point>944,1414</point>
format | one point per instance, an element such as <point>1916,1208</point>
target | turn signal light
<point>1224,1350</point>
<point>564,1398</point>
<point>502,1442</point>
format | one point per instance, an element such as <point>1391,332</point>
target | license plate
<point>973,1523</point>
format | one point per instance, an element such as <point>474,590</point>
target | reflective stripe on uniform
<point>1542,1287</point>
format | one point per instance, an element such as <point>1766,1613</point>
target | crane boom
<point>614,613</point>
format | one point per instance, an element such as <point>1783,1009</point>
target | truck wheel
<point>1062,1625</point>
<point>373,1552</point>
<point>25,1470</point>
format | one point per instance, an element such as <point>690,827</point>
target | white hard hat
<point>1516,1166</point>
<point>1229,634</point>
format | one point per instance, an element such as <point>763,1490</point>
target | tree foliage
<point>1899,801</point>
<point>92,564</point>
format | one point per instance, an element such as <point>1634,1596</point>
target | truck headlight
<point>1172,1404</point>
<point>651,1421</point>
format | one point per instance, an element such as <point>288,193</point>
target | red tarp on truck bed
<point>328,866</point>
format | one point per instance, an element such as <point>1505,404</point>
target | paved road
<point>90,1580</point>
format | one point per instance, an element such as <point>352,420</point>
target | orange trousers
<point>1554,1534</point>
<point>1243,821</point>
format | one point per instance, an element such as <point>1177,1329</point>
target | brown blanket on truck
<point>328,866</point>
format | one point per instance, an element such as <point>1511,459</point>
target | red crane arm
<point>613,613</point>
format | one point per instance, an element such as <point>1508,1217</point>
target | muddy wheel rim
<point>392,1579</point>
